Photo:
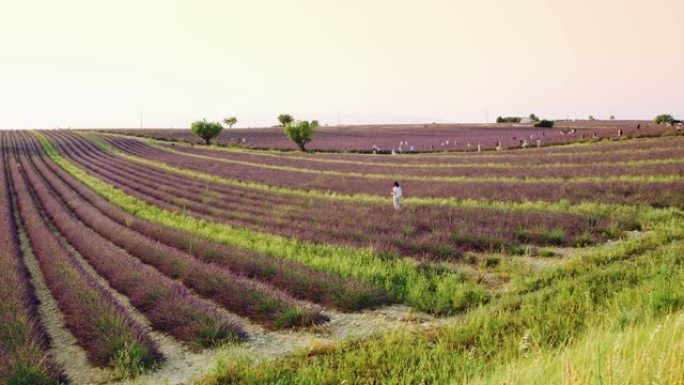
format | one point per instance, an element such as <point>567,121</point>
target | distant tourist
<point>639,126</point>
<point>594,135</point>
<point>479,148</point>
<point>524,143</point>
<point>396,196</point>
<point>539,142</point>
<point>619,134</point>
<point>498,146</point>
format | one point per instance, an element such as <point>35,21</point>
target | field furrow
<point>403,171</point>
<point>168,306</point>
<point>109,336</point>
<point>23,339</point>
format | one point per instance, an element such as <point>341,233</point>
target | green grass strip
<point>600,291</point>
<point>427,178</point>
<point>404,279</point>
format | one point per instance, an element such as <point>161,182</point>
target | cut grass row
<point>434,290</point>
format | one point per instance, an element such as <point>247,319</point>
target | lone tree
<point>230,121</point>
<point>534,118</point>
<point>612,117</point>
<point>301,132</point>
<point>206,130</point>
<point>285,119</point>
<point>544,123</point>
<point>663,118</point>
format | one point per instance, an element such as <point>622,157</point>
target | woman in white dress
<point>396,196</point>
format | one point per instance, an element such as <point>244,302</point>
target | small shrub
<point>546,253</point>
<point>555,237</point>
<point>583,240</point>
<point>517,250</point>
<point>132,360</point>
<point>490,261</point>
<point>30,375</point>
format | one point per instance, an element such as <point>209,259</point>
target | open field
<point>422,137</point>
<point>148,261</point>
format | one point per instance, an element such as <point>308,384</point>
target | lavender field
<point>158,253</point>
<point>430,137</point>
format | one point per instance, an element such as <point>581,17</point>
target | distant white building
<point>526,120</point>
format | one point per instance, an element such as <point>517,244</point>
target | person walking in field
<point>396,196</point>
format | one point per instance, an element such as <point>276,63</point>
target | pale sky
<point>90,63</point>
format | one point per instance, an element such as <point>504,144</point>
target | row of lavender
<point>656,194</point>
<point>101,325</point>
<point>23,340</point>
<point>213,270</point>
<point>500,169</point>
<point>425,231</point>
<point>181,286</point>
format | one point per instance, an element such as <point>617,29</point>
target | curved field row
<point>102,327</point>
<point>580,152</point>
<point>23,340</point>
<point>437,233</point>
<point>296,279</point>
<point>672,164</point>
<point>168,306</point>
<point>656,194</point>
<point>662,157</point>
<point>434,288</point>
<point>239,295</point>
<point>671,172</point>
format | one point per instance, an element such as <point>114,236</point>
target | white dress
<point>396,194</point>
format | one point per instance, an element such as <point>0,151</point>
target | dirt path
<point>263,345</point>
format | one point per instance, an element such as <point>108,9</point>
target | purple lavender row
<point>23,340</point>
<point>447,231</point>
<point>294,278</point>
<point>654,194</point>
<point>101,326</point>
<point>586,170</point>
<point>169,307</point>
<point>237,294</point>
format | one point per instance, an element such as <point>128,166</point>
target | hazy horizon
<point>80,63</point>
